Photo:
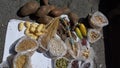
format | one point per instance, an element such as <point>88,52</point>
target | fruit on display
<point>78,32</point>
<point>84,41</point>
<point>83,29</point>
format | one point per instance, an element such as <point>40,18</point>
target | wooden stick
<point>69,33</point>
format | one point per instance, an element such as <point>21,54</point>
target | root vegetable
<point>59,11</point>
<point>73,18</point>
<point>21,26</point>
<point>45,2</point>
<point>44,19</point>
<point>29,8</point>
<point>27,24</point>
<point>44,10</point>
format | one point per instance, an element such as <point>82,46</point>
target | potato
<point>59,11</point>
<point>44,10</point>
<point>27,32</point>
<point>27,24</point>
<point>51,7</point>
<point>32,28</point>
<point>34,25</point>
<point>44,19</point>
<point>20,26</point>
<point>34,36</point>
<point>39,33</point>
<point>29,8</point>
<point>73,17</point>
<point>45,2</point>
<point>39,28</point>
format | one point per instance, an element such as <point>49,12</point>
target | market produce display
<point>65,40</point>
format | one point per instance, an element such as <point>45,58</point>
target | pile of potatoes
<point>32,30</point>
<point>45,13</point>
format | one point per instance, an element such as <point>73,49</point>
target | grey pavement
<point>9,8</point>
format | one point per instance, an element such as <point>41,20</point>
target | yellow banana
<point>78,32</point>
<point>83,29</point>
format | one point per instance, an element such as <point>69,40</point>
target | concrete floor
<point>9,8</point>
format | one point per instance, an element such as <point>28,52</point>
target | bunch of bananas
<point>81,30</point>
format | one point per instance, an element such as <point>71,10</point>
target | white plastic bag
<point>27,60</point>
<point>4,64</point>
<point>57,47</point>
<point>98,20</point>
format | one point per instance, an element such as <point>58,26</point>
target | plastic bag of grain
<point>43,46</point>
<point>26,44</point>
<point>98,20</point>
<point>56,47</point>
<point>4,64</point>
<point>75,63</point>
<point>87,64</point>
<point>86,53</point>
<point>22,60</point>
<point>93,35</point>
